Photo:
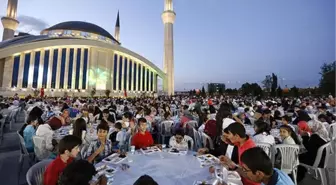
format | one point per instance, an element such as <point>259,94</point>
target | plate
<point>114,158</point>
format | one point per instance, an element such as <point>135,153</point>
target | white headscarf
<point>318,128</point>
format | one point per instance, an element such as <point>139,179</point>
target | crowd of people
<point>102,126</point>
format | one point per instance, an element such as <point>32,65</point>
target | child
<point>29,132</point>
<point>101,147</point>
<point>286,120</point>
<point>143,138</point>
<point>117,137</point>
<point>288,136</point>
<point>68,149</point>
<point>179,140</point>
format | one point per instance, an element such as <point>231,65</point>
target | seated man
<point>257,167</point>
<point>101,147</point>
<point>179,140</point>
<point>143,138</point>
<point>236,134</point>
<point>68,149</point>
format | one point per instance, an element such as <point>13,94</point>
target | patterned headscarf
<point>318,128</point>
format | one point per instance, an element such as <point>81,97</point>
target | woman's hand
<point>202,151</point>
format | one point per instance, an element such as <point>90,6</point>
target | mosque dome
<point>81,26</point>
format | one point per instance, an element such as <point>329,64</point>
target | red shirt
<point>54,170</point>
<point>241,149</point>
<point>140,140</point>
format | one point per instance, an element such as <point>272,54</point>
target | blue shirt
<point>94,145</point>
<point>28,134</point>
<point>279,178</point>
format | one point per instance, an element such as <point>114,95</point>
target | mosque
<point>80,57</point>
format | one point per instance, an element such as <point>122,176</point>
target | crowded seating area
<point>172,140</point>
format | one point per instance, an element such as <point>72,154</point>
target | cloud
<point>31,24</point>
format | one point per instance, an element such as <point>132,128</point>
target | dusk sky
<point>223,41</point>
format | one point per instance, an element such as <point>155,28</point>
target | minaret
<point>168,18</point>
<point>9,22</point>
<point>117,29</point>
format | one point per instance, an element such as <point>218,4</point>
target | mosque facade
<point>80,57</point>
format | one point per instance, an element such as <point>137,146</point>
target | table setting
<point>166,168</point>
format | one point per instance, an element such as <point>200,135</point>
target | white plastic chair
<point>289,158</point>
<point>40,148</point>
<point>192,123</point>
<point>330,170</point>
<point>332,131</point>
<point>35,173</point>
<point>165,130</point>
<point>190,141</point>
<point>268,149</point>
<point>207,139</point>
<point>321,173</point>
<point>24,154</point>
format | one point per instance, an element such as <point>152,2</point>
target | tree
<point>233,92</point>
<point>274,85</point>
<point>267,83</point>
<point>203,93</point>
<point>211,89</point>
<point>93,92</point>
<point>279,92</point>
<point>294,91</point>
<point>251,89</point>
<point>327,80</point>
<point>107,92</point>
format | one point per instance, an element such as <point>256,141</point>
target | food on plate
<point>212,169</point>
<point>174,150</point>
<point>110,170</point>
<point>122,155</point>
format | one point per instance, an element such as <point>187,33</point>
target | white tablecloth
<point>165,169</point>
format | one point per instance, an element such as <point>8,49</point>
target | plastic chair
<point>165,130</point>
<point>207,141</point>
<point>35,173</point>
<point>289,158</point>
<point>332,131</point>
<point>40,148</point>
<point>192,123</point>
<point>268,149</point>
<point>321,173</point>
<point>190,142</point>
<point>2,124</point>
<point>23,154</point>
<point>330,170</point>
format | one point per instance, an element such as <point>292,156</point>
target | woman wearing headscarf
<point>312,142</point>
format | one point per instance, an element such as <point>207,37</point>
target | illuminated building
<point>79,57</point>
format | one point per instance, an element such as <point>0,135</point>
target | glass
<point>70,67</point>
<point>63,60</point>
<point>115,71</point>
<point>26,70</point>
<point>86,51</point>
<point>15,73</point>
<point>45,68</point>
<point>120,72</point>
<point>54,69</point>
<point>36,68</point>
<point>125,73</point>
<point>78,62</point>
<point>132,149</point>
